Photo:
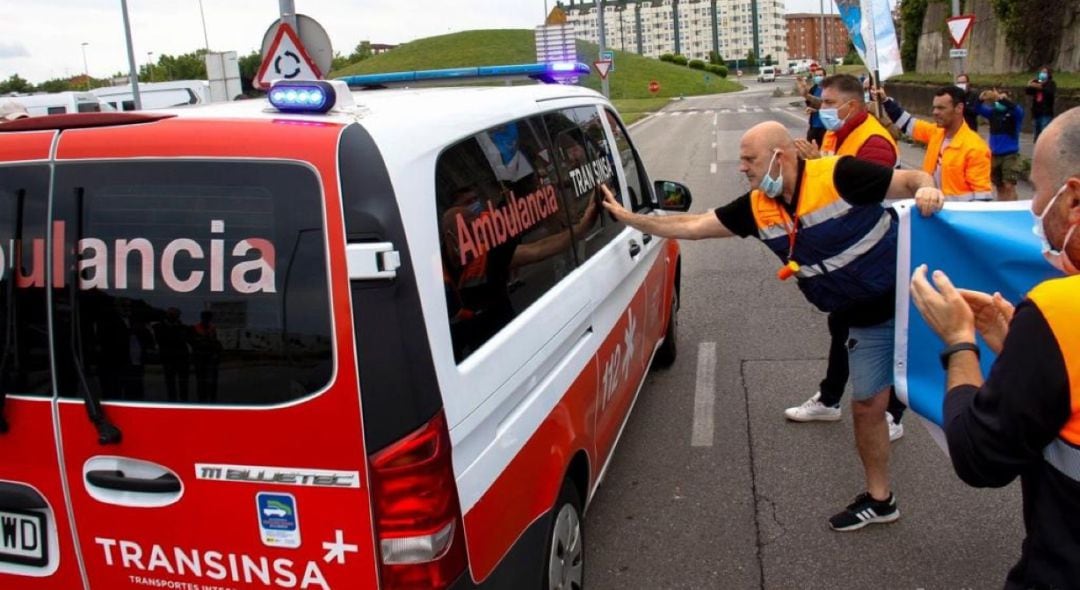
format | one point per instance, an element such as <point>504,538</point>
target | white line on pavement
<point>714,145</point>
<point>714,119</point>
<point>712,168</point>
<point>704,396</point>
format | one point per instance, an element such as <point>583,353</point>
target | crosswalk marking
<point>712,167</point>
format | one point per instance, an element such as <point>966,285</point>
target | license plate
<point>23,537</point>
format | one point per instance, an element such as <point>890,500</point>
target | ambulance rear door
<point>36,549</point>
<point>209,411</point>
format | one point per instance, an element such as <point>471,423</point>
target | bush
<point>679,60</point>
<point>697,64</point>
<point>668,57</point>
<point>721,71</point>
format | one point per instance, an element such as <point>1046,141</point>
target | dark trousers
<point>836,374</point>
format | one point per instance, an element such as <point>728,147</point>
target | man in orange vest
<point>957,158</point>
<point>1024,419</point>
<point>851,132</point>
<point>826,222</point>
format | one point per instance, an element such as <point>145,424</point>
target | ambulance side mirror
<point>673,196</point>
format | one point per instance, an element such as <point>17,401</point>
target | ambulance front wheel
<point>566,542</point>
<point>668,351</point>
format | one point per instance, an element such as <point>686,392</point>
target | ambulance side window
<point>636,179</point>
<point>503,228</point>
<point>197,282</point>
<point>24,335</point>
<point>584,163</point>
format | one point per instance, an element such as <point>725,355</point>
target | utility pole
<point>957,62</point>
<point>133,73</point>
<point>757,41</point>
<point>821,34</point>
<point>602,44</point>
<point>288,13</point>
<point>86,69</point>
<point>206,38</point>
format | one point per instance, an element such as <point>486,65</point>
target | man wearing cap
<point>826,222</point>
<point>957,158</point>
<point>11,110</point>
<point>1023,419</point>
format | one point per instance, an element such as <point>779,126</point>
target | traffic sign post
<point>603,67</point>
<point>608,56</point>
<point>286,60</point>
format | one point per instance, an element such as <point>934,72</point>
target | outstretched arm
<point>684,227</point>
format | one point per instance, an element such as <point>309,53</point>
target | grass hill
<point>512,46</point>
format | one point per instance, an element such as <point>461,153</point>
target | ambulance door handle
<point>635,249</point>
<point>116,480</point>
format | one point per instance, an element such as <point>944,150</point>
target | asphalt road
<point>747,507</point>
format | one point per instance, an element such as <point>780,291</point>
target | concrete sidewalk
<point>911,156</point>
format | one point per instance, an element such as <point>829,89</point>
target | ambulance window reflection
<point>637,182</point>
<point>199,283</point>
<point>24,338</point>
<point>503,228</point>
<point>584,162</point>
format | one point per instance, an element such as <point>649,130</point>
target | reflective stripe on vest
<point>1059,302</point>
<point>851,254</point>
<point>1064,457</point>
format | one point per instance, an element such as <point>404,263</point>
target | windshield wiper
<point>108,433</point>
<point>11,339</point>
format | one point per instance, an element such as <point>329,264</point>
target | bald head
<point>756,151</point>
<point>768,136</point>
<point>1058,149</point>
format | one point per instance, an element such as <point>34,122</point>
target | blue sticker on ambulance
<point>279,525</point>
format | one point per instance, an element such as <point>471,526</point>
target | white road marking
<point>714,145</point>
<point>759,110</point>
<point>714,119</point>
<point>676,113</point>
<point>704,396</point>
<point>725,111</point>
<point>712,168</point>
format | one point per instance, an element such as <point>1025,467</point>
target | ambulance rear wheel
<point>669,350</point>
<point>566,543</point>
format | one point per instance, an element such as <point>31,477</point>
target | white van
<point>59,103</point>
<point>334,340</point>
<point>767,74</point>
<point>156,95</point>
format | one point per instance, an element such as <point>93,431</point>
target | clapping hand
<point>992,316</point>
<point>808,150</point>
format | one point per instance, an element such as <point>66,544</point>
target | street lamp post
<point>86,69</point>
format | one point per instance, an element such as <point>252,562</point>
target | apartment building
<point>691,28</point>
<point>804,36</point>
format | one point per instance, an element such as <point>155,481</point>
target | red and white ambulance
<point>332,340</point>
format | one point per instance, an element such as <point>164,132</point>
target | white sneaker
<point>812,409</point>
<point>895,430</point>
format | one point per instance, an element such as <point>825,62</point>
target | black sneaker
<point>863,511</point>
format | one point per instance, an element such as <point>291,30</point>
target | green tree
<point>715,58</point>
<point>362,52</point>
<point>15,84</point>
<point>768,59</point>
<point>61,85</point>
<point>911,18</point>
<point>249,68</point>
<point>751,59</point>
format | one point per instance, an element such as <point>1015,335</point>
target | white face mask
<point>772,187</point>
<point>962,85</point>
<point>1057,258</point>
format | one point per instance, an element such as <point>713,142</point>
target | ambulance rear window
<point>198,282</point>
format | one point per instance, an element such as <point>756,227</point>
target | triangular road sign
<point>603,66</point>
<point>286,60</point>
<point>959,27</point>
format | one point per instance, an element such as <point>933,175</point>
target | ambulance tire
<point>564,567</point>
<point>669,350</point>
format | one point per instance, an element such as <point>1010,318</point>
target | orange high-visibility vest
<point>871,127</point>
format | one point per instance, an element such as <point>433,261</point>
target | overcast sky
<point>43,38</point>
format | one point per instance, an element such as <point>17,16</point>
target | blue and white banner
<point>870,26</point>
<point>981,246</point>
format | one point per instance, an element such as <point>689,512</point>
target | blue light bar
<point>546,72</point>
<point>309,96</point>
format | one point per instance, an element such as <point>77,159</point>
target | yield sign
<point>286,60</point>
<point>959,27</point>
<point>603,66</point>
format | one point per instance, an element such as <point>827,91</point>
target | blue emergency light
<point>309,96</point>
<point>544,72</point>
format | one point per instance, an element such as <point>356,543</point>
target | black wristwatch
<point>955,348</point>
